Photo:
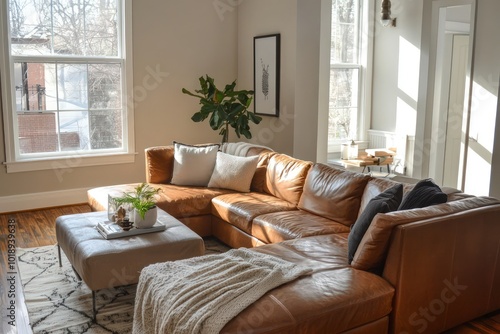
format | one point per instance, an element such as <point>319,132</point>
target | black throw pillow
<point>384,202</point>
<point>425,193</point>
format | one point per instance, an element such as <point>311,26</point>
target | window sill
<point>58,164</point>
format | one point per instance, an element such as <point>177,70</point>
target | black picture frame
<point>266,74</point>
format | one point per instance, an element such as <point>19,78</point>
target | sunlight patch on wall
<point>477,181</point>
<point>483,116</point>
<point>409,68</point>
<point>406,119</point>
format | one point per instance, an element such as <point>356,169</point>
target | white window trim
<point>365,66</point>
<point>68,159</point>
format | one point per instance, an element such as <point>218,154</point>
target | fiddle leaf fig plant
<point>224,108</point>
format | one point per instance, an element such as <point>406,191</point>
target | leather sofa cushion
<point>239,209</point>
<point>372,250</point>
<point>259,178</point>
<point>159,164</point>
<point>285,177</point>
<point>279,226</point>
<point>333,193</point>
<point>179,201</point>
<point>323,302</point>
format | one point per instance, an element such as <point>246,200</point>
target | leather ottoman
<point>106,264</point>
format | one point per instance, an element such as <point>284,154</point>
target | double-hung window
<point>65,74</point>
<point>348,58</point>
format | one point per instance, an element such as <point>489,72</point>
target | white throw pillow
<point>233,172</point>
<point>193,165</point>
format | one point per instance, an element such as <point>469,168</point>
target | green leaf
<point>185,91</point>
<point>198,117</point>
<point>254,118</point>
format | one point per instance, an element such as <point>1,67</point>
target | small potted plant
<point>142,202</point>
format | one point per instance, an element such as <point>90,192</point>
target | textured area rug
<point>58,302</point>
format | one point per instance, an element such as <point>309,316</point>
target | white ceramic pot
<point>149,218</point>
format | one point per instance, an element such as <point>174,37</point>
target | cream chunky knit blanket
<point>200,295</point>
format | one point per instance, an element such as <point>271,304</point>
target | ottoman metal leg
<point>94,312</point>
<point>59,254</point>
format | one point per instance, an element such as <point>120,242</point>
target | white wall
<point>396,69</point>
<point>264,17</point>
<point>313,71</point>
<point>187,39</point>
<point>486,88</point>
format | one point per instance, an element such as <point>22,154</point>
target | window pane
<point>30,27</point>
<point>34,86</point>
<point>64,27</point>
<point>105,86</point>
<point>37,133</point>
<point>106,129</point>
<point>101,28</point>
<point>72,86</point>
<point>344,31</point>
<point>74,130</point>
<point>343,103</point>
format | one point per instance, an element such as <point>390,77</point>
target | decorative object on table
<point>110,230</point>
<point>227,107</point>
<point>142,203</point>
<point>353,150</point>
<point>266,67</point>
<point>125,223</point>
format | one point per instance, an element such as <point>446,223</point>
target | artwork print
<point>266,74</point>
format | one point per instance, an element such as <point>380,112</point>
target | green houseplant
<point>227,107</point>
<point>143,204</point>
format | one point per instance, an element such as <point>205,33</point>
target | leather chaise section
<point>333,299</point>
<point>178,201</point>
<point>279,226</point>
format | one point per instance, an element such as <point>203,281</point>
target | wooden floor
<point>36,228</point>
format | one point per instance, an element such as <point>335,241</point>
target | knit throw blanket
<point>202,294</point>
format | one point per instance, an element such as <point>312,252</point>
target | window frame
<point>66,159</point>
<point>365,71</point>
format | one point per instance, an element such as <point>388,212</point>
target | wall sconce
<point>385,17</point>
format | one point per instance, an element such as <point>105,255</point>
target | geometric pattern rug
<point>58,302</point>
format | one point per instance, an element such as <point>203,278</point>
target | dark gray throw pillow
<point>384,202</point>
<point>425,193</point>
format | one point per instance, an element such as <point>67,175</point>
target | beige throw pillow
<point>233,172</point>
<point>193,165</point>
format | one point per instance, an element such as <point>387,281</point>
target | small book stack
<point>111,230</point>
<point>374,157</point>
<point>382,156</point>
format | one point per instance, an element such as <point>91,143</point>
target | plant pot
<point>149,218</point>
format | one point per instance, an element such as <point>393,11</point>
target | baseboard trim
<point>42,200</point>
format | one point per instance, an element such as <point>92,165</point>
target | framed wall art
<point>266,69</point>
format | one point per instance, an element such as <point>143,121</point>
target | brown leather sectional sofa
<point>415,271</point>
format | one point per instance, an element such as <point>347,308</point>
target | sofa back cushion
<point>159,164</point>
<point>259,178</point>
<point>333,193</point>
<point>285,177</point>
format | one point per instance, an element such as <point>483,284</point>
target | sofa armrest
<point>159,164</point>
<point>446,270</point>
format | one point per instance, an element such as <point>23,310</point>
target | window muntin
<point>67,75</point>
